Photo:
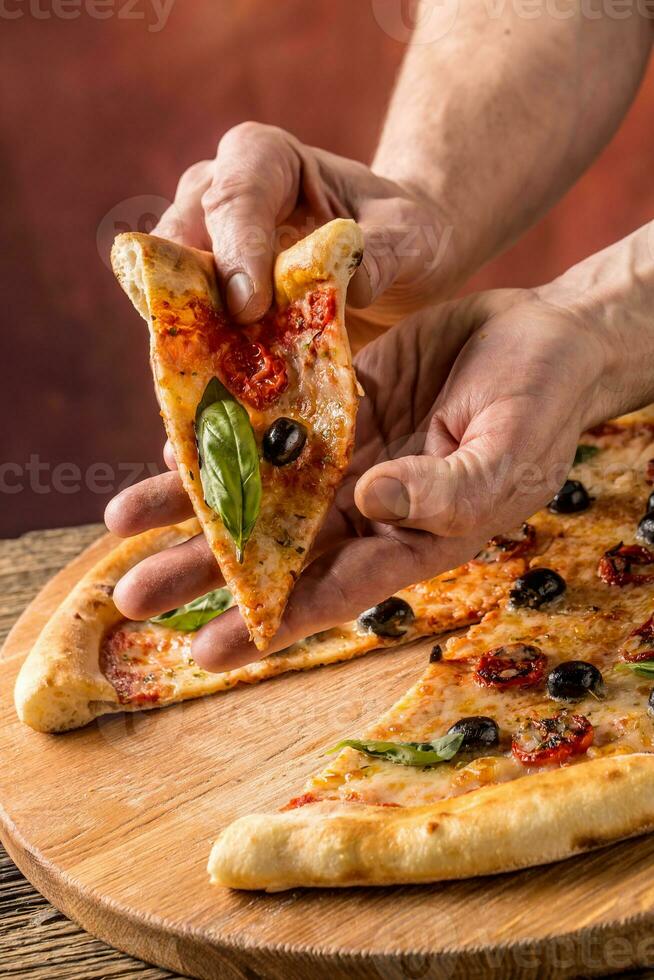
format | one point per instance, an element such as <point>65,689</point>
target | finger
<point>183,221</point>
<point>477,489</point>
<point>403,244</point>
<point>255,186</point>
<point>169,456</point>
<point>155,502</point>
<point>336,588</point>
<point>168,580</point>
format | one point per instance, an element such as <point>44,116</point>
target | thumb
<point>458,495</point>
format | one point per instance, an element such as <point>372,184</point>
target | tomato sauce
<point>250,361</point>
<point>126,660</point>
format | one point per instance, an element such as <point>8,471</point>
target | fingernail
<point>239,292</point>
<point>387,499</point>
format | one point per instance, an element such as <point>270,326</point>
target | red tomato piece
<point>511,665</point>
<point>552,741</point>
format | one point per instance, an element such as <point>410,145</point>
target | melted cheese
<point>590,621</point>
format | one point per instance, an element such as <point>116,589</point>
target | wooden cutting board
<point>114,824</point>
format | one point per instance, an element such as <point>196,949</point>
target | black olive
<point>573,679</point>
<point>650,702</point>
<point>650,502</point>
<point>570,499</point>
<point>283,441</point>
<point>536,587</point>
<point>479,732</point>
<point>388,618</point>
<point>645,531</point>
<point>436,653</point>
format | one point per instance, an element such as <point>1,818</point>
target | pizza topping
<point>616,565</point>
<point>512,665</point>
<point>639,645</point>
<point>585,452</point>
<point>229,462</point>
<point>299,801</point>
<point>128,661</point>
<point>505,546</point>
<point>570,499</point>
<point>408,753</point>
<point>573,680</point>
<point>436,653</point>
<point>649,471</point>
<point>650,703</point>
<point>650,502</point>
<point>283,441</point>
<point>195,614</point>
<point>478,731</point>
<point>537,587</point>
<point>254,373</point>
<point>645,530</point>
<point>552,741</point>
<point>389,618</point>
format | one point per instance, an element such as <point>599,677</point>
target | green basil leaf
<point>407,753</point>
<point>645,668</point>
<point>584,453</point>
<point>195,614</point>
<point>229,462</point>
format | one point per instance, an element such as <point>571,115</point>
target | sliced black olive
<point>283,441</point>
<point>573,679</point>
<point>388,618</point>
<point>536,587</point>
<point>645,531</point>
<point>479,732</point>
<point>650,502</point>
<point>650,702</point>
<point>436,653</point>
<point>570,499</point>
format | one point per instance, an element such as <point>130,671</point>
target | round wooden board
<point>114,824</point>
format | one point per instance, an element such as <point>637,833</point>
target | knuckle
<point>234,190</point>
<point>195,177</point>
<point>247,132</point>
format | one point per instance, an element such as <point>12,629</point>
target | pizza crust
<point>174,287</point>
<point>60,685</point>
<point>529,821</point>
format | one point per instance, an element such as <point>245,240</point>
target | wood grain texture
<point>37,942</point>
<point>113,824</point>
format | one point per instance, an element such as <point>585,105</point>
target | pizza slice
<point>90,661</point>
<point>261,418</point>
<point>529,741</point>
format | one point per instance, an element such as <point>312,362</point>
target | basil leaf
<point>584,453</point>
<point>195,614</point>
<point>645,668</point>
<point>407,753</point>
<point>229,462</point>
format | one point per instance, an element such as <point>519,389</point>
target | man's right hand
<point>264,189</point>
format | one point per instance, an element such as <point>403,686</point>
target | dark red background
<point>97,112</point>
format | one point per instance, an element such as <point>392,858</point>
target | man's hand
<point>472,416</point>
<point>265,189</point>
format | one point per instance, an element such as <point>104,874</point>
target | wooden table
<point>36,941</point>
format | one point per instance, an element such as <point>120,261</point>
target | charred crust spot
<point>432,826</point>
<point>356,259</point>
